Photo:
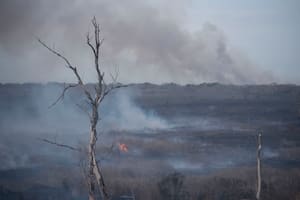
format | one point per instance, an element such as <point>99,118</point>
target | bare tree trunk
<point>95,175</point>
<point>258,189</point>
<point>91,181</point>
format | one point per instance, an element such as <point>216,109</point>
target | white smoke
<point>124,114</point>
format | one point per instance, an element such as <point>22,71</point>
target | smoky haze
<point>26,117</point>
<point>144,41</point>
<point>153,120</point>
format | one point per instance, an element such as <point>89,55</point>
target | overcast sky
<point>182,41</point>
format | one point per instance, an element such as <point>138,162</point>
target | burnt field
<point>203,135</point>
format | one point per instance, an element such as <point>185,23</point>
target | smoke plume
<point>144,41</point>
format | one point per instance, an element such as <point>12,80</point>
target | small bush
<point>171,187</point>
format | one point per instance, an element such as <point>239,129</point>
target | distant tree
<point>94,98</point>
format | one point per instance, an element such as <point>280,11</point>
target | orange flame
<point>123,147</point>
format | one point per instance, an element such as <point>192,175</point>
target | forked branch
<point>110,89</point>
<point>70,66</point>
<point>61,97</point>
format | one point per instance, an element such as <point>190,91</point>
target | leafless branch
<point>74,69</point>
<point>114,77</point>
<point>110,89</point>
<point>56,53</point>
<point>89,43</point>
<point>60,144</point>
<point>61,97</point>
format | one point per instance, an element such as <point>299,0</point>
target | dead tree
<point>94,99</point>
<point>258,168</point>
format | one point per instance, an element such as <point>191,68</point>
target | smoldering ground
<point>208,130</point>
<point>28,114</point>
<point>195,134</point>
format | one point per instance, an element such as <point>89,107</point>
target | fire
<point>123,147</point>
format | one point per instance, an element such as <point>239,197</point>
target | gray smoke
<point>124,115</point>
<point>141,38</point>
<point>26,118</point>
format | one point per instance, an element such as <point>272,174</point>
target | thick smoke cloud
<point>148,42</point>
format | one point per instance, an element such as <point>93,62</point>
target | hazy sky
<point>183,41</point>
